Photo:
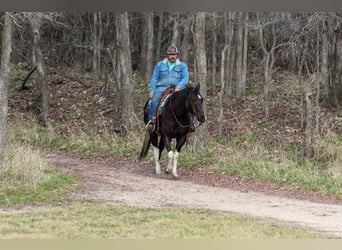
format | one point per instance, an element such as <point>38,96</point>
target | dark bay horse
<point>174,122</point>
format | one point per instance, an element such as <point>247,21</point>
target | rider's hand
<point>177,89</point>
<point>150,95</point>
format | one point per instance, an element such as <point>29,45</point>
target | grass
<point>105,144</point>
<point>103,221</point>
<point>278,165</point>
<point>26,178</point>
<point>244,156</point>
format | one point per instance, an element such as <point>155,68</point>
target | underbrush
<point>285,165</point>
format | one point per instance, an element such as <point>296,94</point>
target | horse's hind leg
<point>156,153</point>
<point>156,158</point>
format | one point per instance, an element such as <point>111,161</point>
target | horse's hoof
<point>166,171</point>
<point>175,178</point>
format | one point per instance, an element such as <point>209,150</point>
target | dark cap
<point>172,50</point>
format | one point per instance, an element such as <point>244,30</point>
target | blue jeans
<point>158,93</point>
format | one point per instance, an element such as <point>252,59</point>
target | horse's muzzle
<point>202,118</point>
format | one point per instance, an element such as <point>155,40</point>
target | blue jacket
<point>162,78</point>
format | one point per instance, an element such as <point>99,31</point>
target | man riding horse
<point>167,73</point>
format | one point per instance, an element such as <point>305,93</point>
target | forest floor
<point>81,106</point>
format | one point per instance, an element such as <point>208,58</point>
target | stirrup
<point>150,126</point>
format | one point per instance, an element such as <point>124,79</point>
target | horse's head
<point>196,103</point>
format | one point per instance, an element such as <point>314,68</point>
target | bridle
<point>178,122</point>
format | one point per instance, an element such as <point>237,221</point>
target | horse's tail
<point>146,146</point>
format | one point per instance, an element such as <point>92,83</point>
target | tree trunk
<point>143,50</point>
<point>201,136</point>
<point>97,36</point>
<point>308,149</point>
<point>239,56</point>
<point>337,73</point>
<point>324,64</point>
<point>6,48</point>
<point>124,51</point>
<point>214,47</point>
<point>185,42</point>
<point>220,117</point>
<point>175,33</point>
<point>244,54</point>
<point>269,62</point>
<point>159,37</point>
<point>229,39</point>
<point>149,51</point>
<point>35,21</point>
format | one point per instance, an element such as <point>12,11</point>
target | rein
<point>178,122</point>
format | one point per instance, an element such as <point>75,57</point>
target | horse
<point>174,122</point>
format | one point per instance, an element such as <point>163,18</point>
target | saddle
<point>163,101</point>
<point>166,95</point>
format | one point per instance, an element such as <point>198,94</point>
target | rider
<point>167,73</point>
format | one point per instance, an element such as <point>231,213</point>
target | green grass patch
<point>26,178</point>
<point>103,221</point>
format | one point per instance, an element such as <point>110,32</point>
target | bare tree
<point>159,36</point>
<point>97,36</point>
<point>214,48</point>
<point>229,39</point>
<point>186,39</point>
<point>244,53</point>
<point>35,20</point>
<point>124,51</point>
<point>220,117</point>
<point>229,32</point>
<point>149,42</point>
<point>337,66</point>
<point>240,88</point>
<point>201,70</point>
<point>175,32</point>
<point>6,48</point>
<point>268,58</point>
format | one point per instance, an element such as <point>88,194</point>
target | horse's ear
<point>198,86</point>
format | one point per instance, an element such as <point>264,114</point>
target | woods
<point>225,53</point>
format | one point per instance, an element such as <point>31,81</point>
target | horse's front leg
<point>180,142</point>
<point>167,143</point>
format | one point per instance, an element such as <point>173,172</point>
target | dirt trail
<point>127,182</point>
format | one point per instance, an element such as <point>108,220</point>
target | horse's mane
<point>182,92</point>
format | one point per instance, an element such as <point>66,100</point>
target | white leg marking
<point>174,166</point>
<point>156,158</point>
<point>169,165</point>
